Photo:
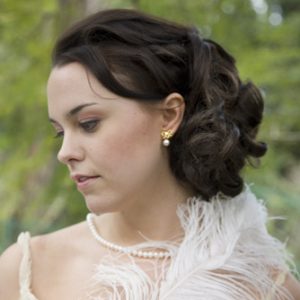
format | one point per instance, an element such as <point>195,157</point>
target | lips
<point>84,181</point>
<point>84,178</point>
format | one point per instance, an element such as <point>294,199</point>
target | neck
<point>152,216</point>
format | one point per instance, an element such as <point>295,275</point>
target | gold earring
<point>166,135</point>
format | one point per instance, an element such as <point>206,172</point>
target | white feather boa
<point>226,254</point>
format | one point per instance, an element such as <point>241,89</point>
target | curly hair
<point>146,58</point>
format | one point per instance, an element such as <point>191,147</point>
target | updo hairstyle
<point>145,58</point>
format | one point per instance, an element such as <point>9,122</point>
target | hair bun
<point>247,114</point>
<point>222,119</point>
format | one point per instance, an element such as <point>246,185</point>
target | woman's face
<point>111,145</point>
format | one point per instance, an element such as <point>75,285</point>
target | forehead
<point>73,79</point>
<point>72,85</point>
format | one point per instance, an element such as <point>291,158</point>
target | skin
<point>118,140</point>
<point>121,145</point>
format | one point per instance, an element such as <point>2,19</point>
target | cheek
<point>135,144</point>
<point>131,148</point>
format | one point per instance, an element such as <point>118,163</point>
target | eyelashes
<point>88,126</point>
<point>59,134</point>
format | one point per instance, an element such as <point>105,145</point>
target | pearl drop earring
<point>166,135</point>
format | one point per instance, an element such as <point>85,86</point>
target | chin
<point>99,206</point>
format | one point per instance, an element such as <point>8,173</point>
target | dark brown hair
<point>145,58</point>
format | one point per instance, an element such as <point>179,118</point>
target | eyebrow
<point>75,110</point>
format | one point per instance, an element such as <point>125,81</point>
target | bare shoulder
<point>64,256</point>
<point>60,244</point>
<point>47,252</point>
<point>293,285</point>
<point>9,272</point>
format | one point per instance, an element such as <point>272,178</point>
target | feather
<point>226,254</point>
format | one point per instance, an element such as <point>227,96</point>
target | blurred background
<point>36,193</point>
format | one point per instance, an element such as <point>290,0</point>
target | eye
<point>59,134</point>
<point>89,126</point>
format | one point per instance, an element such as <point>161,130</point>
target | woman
<point>156,126</point>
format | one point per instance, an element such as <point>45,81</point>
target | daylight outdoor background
<point>36,193</point>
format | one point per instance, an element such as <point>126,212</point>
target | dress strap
<point>279,281</point>
<point>25,267</point>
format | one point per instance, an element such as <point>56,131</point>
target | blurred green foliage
<point>35,191</point>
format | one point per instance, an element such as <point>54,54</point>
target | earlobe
<point>173,111</point>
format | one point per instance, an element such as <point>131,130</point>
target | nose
<point>70,150</point>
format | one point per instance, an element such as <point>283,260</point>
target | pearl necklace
<point>126,250</point>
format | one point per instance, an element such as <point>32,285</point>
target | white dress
<point>226,254</point>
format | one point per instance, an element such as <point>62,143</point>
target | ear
<point>173,108</point>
